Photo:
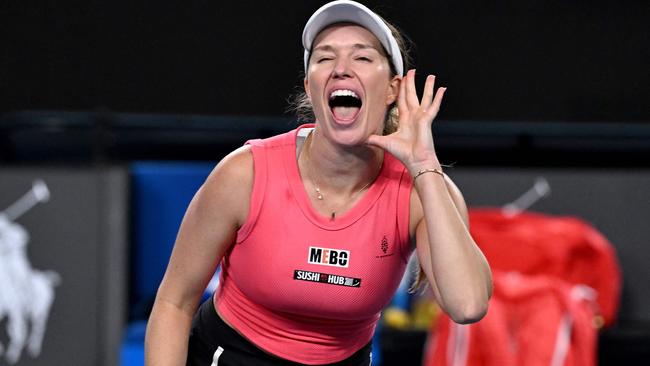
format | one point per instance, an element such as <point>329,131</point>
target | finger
<point>427,95</point>
<point>437,101</point>
<point>411,94</point>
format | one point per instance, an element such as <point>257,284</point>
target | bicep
<point>207,230</point>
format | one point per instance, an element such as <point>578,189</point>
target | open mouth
<point>344,104</point>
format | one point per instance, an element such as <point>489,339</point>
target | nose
<point>341,68</point>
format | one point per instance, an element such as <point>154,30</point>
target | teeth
<point>343,93</point>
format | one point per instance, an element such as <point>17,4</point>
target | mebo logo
<point>329,257</point>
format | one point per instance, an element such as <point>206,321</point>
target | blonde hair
<point>301,106</point>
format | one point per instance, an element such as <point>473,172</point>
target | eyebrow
<point>356,46</point>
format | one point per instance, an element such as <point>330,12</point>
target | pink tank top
<point>305,287</point>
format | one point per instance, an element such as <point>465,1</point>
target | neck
<point>338,169</point>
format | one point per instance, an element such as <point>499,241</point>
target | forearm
<point>458,268</point>
<point>167,335</point>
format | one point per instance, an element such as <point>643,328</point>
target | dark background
<point>534,88</point>
<point>534,60</point>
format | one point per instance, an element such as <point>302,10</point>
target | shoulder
<point>229,185</point>
<point>236,170</point>
<point>234,167</point>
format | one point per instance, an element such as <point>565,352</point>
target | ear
<point>305,84</point>
<point>393,89</point>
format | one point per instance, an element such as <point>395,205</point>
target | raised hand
<point>412,143</point>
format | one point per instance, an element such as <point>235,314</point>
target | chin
<point>355,135</point>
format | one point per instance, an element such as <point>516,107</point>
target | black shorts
<point>215,343</point>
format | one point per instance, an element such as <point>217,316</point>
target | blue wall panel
<point>161,192</point>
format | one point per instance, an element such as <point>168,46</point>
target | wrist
<point>415,168</point>
<point>427,171</point>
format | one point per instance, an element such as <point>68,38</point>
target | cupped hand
<point>412,143</point>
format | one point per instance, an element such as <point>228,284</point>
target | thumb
<point>379,141</point>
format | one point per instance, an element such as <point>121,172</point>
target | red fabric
<point>524,326</point>
<point>565,247</point>
<point>550,273</point>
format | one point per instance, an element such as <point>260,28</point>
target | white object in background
<point>26,294</point>
<point>539,190</point>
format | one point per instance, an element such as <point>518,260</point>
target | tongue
<point>345,113</point>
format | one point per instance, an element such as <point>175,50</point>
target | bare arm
<point>208,229</point>
<point>456,269</point>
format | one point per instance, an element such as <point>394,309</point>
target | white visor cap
<point>345,11</point>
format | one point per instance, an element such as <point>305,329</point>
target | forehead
<point>343,34</point>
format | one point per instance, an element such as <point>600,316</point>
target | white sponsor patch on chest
<point>329,257</point>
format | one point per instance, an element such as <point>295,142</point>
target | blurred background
<point>113,113</point>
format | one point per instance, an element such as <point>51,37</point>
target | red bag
<point>553,277</point>
<point>532,320</point>
<point>565,247</point>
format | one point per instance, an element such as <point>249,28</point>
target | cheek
<point>313,88</point>
<point>314,78</point>
<point>381,85</point>
<point>381,76</point>
<point>383,68</point>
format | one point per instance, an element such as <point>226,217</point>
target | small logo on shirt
<point>384,246</point>
<point>326,278</point>
<point>329,257</point>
